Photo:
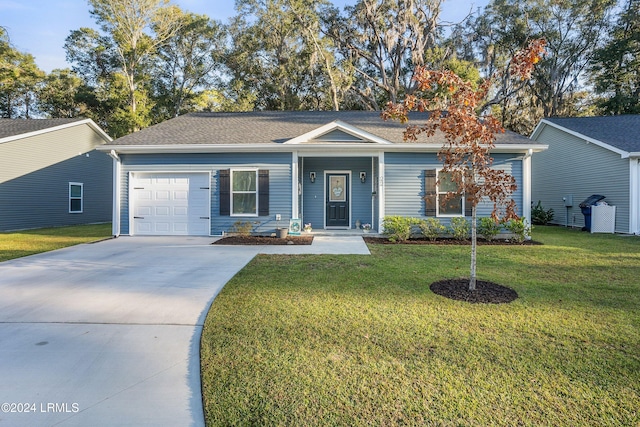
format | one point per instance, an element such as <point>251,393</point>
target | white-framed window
<point>452,206</point>
<point>76,194</point>
<point>244,192</point>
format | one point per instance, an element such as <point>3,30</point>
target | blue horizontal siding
<point>278,164</point>
<point>404,182</point>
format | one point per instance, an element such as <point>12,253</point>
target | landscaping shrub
<point>398,228</point>
<point>431,228</point>
<point>460,228</point>
<point>519,228</point>
<point>539,216</point>
<point>488,228</point>
<point>243,228</point>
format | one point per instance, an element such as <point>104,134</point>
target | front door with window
<point>338,200</point>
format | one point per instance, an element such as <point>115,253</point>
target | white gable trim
<point>337,125</point>
<point>623,154</point>
<point>88,122</point>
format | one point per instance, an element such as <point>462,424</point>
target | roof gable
<point>337,132</point>
<point>15,129</point>
<point>620,134</point>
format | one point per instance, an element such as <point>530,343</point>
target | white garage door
<point>170,204</point>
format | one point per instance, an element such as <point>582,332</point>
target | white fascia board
<point>338,125</point>
<point>88,122</point>
<point>623,154</point>
<point>334,148</point>
<point>324,150</point>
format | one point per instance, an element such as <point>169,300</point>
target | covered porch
<point>339,193</point>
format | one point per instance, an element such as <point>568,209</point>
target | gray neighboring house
<point>201,173</point>
<point>586,156</point>
<point>52,175</point>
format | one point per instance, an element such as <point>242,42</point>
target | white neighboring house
<point>586,156</point>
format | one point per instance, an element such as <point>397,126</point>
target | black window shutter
<point>430,195</point>
<point>224,182</point>
<point>263,192</point>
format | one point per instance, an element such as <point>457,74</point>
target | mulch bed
<point>486,292</point>
<point>445,241</point>
<point>264,240</point>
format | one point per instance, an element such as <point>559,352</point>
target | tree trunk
<point>474,249</point>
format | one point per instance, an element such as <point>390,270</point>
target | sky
<point>40,27</point>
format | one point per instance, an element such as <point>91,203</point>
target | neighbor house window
<point>244,192</point>
<point>75,197</point>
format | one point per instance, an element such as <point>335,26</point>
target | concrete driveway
<point>108,333</point>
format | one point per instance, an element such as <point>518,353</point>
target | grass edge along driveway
<point>361,340</point>
<point>16,244</point>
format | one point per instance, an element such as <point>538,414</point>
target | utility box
<point>603,219</point>
<point>568,200</point>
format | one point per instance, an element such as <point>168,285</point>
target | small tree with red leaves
<point>458,110</point>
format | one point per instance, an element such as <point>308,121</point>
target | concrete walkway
<point>108,333</point>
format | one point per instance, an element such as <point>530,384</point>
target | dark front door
<point>338,200</point>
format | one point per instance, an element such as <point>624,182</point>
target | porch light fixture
<point>312,176</point>
<point>363,176</point>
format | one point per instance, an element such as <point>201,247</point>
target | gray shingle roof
<point>14,127</point>
<point>272,127</point>
<point>622,132</point>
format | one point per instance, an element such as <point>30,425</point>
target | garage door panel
<point>181,195</point>
<point>162,227</point>
<point>171,204</point>
<point>162,211</point>
<point>180,211</point>
<point>162,195</point>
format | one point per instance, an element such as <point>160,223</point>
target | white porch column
<point>295,211</point>
<point>526,186</point>
<point>381,192</point>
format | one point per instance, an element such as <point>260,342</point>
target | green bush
<point>431,228</point>
<point>519,228</point>
<point>459,228</point>
<point>488,228</point>
<point>398,228</point>
<point>539,216</point>
<point>243,228</point>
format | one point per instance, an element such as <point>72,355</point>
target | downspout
<point>115,221</point>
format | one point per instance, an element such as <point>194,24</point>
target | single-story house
<point>51,174</point>
<point>589,156</point>
<point>201,173</point>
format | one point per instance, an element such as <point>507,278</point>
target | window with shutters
<point>437,185</point>
<point>452,205</point>
<point>244,192</point>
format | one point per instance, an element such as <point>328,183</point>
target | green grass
<point>28,242</point>
<point>361,340</point>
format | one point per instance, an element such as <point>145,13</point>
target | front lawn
<point>17,244</point>
<point>361,340</point>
